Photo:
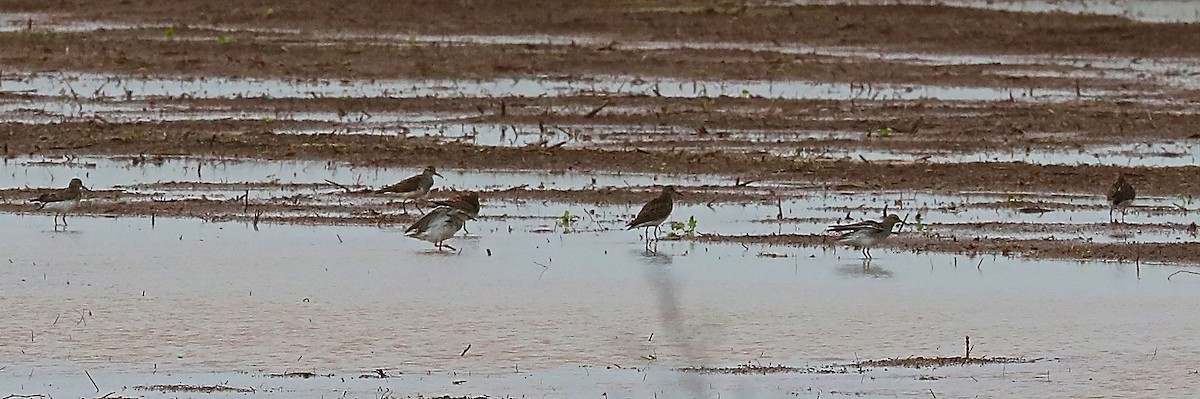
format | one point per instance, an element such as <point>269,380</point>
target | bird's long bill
<point>439,175</point>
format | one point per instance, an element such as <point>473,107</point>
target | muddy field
<point>231,242</point>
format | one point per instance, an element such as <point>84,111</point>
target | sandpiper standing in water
<point>413,188</point>
<point>468,203</point>
<point>1120,195</point>
<point>61,201</point>
<point>438,225</point>
<point>654,213</point>
<point>867,234</point>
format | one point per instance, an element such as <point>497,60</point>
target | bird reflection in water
<point>863,269</point>
<point>666,295</point>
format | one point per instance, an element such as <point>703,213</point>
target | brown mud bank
<point>608,122</point>
<point>201,52</point>
<point>154,140</point>
<point>898,26</point>
<point>916,362</point>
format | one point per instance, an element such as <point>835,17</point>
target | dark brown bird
<point>467,203</point>
<point>61,201</point>
<point>413,188</point>
<point>655,212</point>
<point>1120,195</point>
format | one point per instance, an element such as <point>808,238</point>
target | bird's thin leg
<point>867,251</point>
<point>417,204</point>
<point>64,218</point>
<point>1110,215</point>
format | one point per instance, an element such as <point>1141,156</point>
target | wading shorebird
<point>864,235</point>
<point>438,225</point>
<point>655,212</point>
<point>413,188</point>
<point>61,201</point>
<point>468,203</point>
<point>1120,195</point>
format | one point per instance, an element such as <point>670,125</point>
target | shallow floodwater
<point>1139,10</point>
<point>100,86</point>
<point>130,302</point>
<point>805,211</point>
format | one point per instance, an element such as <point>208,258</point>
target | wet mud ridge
<point>864,366</point>
<point>194,388</point>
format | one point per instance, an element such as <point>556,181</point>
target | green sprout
<point>221,39</point>
<point>884,132</point>
<point>567,221</point>
<point>170,33</point>
<point>682,229</point>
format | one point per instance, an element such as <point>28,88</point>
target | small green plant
<point>221,39</point>
<point>884,132</point>
<point>170,33</point>
<point>684,229</point>
<point>567,221</point>
<point>919,225</point>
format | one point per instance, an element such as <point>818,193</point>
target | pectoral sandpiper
<point>867,234</point>
<point>468,203</point>
<point>438,225</point>
<point>413,188</point>
<point>61,201</point>
<point>655,212</point>
<point>1120,195</point>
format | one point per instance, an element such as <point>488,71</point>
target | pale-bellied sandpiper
<point>1120,195</point>
<point>61,201</point>
<point>655,212</point>
<point>438,225</point>
<point>867,234</point>
<point>412,188</point>
<point>468,203</point>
